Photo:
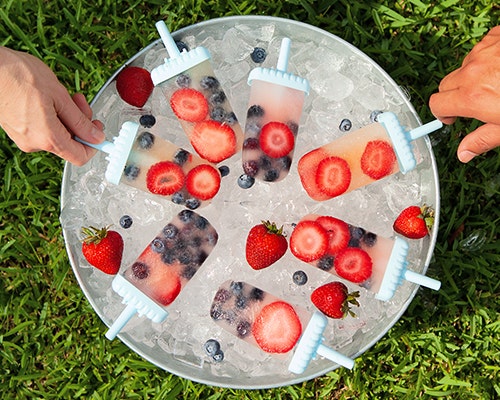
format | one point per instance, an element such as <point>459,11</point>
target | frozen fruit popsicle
<point>198,100</point>
<point>275,326</point>
<point>162,270</point>
<point>361,157</point>
<point>273,118</point>
<point>372,261</point>
<point>147,162</point>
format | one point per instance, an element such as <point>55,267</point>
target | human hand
<point>37,112</point>
<point>473,91</point>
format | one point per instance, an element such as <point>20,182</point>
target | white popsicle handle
<point>167,39</point>
<point>105,146</point>
<point>422,280</point>
<point>284,55</point>
<point>425,129</point>
<point>335,356</point>
<point>121,321</point>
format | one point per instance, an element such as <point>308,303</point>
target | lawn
<point>446,345</point>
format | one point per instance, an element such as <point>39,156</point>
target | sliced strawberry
<point>378,159</point>
<point>338,233</point>
<point>189,105</point>
<point>165,178</point>
<point>213,140</point>
<point>276,139</point>
<point>309,241</point>
<point>203,181</point>
<point>166,289</point>
<point>307,166</point>
<point>353,264</point>
<point>277,328</point>
<point>134,85</point>
<point>333,176</point>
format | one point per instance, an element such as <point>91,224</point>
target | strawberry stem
<point>94,235</point>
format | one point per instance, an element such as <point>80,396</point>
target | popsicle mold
<point>118,151</point>
<point>137,303</point>
<point>402,138</point>
<point>310,345</point>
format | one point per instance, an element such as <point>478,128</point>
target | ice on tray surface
<point>272,324</point>
<point>164,267</point>
<point>361,157</point>
<point>198,100</point>
<point>273,119</point>
<point>372,261</point>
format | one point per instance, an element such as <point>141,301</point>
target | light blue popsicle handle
<point>335,356</point>
<point>105,146</point>
<point>422,280</point>
<point>284,55</point>
<point>424,130</point>
<point>121,321</point>
<point>167,39</point>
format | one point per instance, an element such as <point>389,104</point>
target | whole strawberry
<point>134,85</point>
<point>265,245</point>
<point>414,222</point>
<point>334,300</point>
<point>103,249</point>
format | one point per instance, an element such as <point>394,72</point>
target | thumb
<point>483,139</point>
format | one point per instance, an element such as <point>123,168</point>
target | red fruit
<point>338,233</point>
<point>309,241</point>
<point>307,166</point>
<point>378,159</point>
<point>276,139</point>
<point>103,249</point>
<point>333,299</point>
<point>353,264</point>
<point>203,181</point>
<point>265,245</point>
<point>134,85</point>
<point>213,140</point>
<point>165,178</point>
<point>415,222</point>
<point>189,105</point>
<point>277,328</point>
<point>166,289</point>
<point>333,176</point>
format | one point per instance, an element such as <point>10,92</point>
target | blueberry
<point>216,312</point>
<point>158,245</point>
<point>345,125</point>
<point>251,143</point>
<point>224,170</point>
<point>236,287</point>
<point>181,157</point>
<point>325,263</point>
<point>218,356</point>
<point>369,239</point>
<point>140,270</point>
<point>211,346</point>
<point>168,257</point>
<point>374,114</point>
<point>253,127</point>
<point>189,271</point>
<point>251,168</point>
<point>256,294</point>
<point>201,222</point>
<point>131,172</point>
<point>218,114</point>
<point>218,98</point>
<point>241,302</point>
<point>186,216</point>
<point>294,127</point>
<point>209,83</point>
<point>126,221</point>
<point>193,203</point>
<point>271,175</point>
<point>258,55</point>
<point>170,231</point>
<point>181,46</point>
<point>356,232</point>
<point>145,140</point>
<point>222,296</point>
<point>246,181</point>
<point>299,278</point>
<point>284,163</point>
<point>147,121</point>
<point>265,162</point>
<point>183,81</point>
<point>178,198</point>
<point>255,111</point>
<point>231,118</point>
<point>243,328</point>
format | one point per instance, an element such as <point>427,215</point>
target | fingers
<point>483,139</point>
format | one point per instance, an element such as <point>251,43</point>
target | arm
<point>473,91</point>
<point>37,112</point>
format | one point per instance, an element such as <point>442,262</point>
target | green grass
<point>51,342</point>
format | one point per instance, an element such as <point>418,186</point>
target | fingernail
<point>465,156</point>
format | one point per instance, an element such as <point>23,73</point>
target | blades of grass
<point>18,31</point>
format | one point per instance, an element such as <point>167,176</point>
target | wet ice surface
<point>343,85</point>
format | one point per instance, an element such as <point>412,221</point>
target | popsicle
<point>372,261</point>
<point>273,118</point>
<point>147,162</point>
<point>198,100</point>
<point>362,157</point>
<point>272,324</point>
<point>165,266</point>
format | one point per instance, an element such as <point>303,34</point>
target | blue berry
<point>209,83</point>
<point>218,114</point>
<point>255,111</point>
<point>369,239</point>
<point>126,221</point>
<point>181,156</point>
<point>271,175</point>
<point>325,263</point>
<point>218,356</point>
<point>374,114</point>
<point>131,172</point>
<point>183,81</point>
<point>170,231</point>
<point>231,118</point>
<point>181,46</point>
<point>193,203</point>
<point>147,121</point>
<point>178,198</point>
<point>258,55</point>
<point>211,346</point>
<point>243,328</point>
<point>186,216</point>
<point>158,245</point>
<point>245,181</point>
<point>299,278</point>
<point>145,140</point>
<point>224,170</point>
<point>345,125</point>
<point>218,97</point>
